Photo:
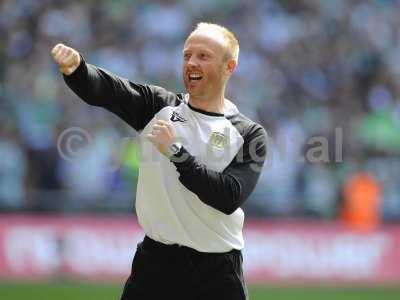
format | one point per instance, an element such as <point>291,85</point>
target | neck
<point>214,104</point>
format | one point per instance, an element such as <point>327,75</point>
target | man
<point>200,161</point>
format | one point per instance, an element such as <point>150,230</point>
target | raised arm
<point>135,103</point>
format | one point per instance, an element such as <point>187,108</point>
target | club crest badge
<point>217,140</point>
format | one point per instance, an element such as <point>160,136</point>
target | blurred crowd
<point>323,78</point>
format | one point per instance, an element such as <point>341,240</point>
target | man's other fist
<point>68,59</point>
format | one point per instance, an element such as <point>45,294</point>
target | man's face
<point>203,64</point>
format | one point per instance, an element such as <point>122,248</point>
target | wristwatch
<point>174,148</point>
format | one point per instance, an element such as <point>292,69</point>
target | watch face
<point>174,148</point>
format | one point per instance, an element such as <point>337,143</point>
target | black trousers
<point>162,271</point>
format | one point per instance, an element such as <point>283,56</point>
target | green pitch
<point>61,290</point>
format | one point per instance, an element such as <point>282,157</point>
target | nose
<point>192,61</point>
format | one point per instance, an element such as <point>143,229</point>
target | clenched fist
<point>162,136</point>
<point>67,58</point>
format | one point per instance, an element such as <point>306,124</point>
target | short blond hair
<point>229,37</point>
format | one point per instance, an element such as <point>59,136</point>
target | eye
<point>203,56</point>
<point>186,56</point>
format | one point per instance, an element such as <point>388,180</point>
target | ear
<point>230,67</point>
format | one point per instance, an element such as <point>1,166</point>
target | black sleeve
<point>134,103</point>
<point>227,190</point>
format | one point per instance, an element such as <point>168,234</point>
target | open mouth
<point>195,77</point>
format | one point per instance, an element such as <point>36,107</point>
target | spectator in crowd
<point>13,168</point>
